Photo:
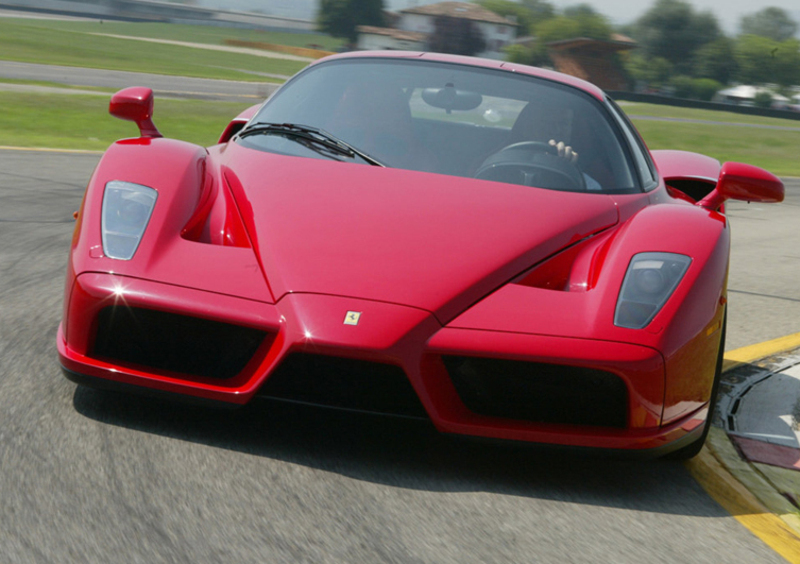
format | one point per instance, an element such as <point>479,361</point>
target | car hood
<point>434,242</point>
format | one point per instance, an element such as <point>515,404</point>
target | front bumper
<point>394,339</point>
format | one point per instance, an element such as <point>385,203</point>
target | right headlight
<point>127,208</point>
<point>649,282</point>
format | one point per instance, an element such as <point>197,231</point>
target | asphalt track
<point>162,85</point>
<point>98,477</point>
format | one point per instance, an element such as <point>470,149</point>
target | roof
<point>749,92</point>
<point>619,38</point>
<point>587,87</point>
<point>393,33</point>
<point>465,10</point>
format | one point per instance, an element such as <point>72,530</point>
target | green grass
<point>658,110</point>
<point>83,121</point>
<point>775,151</point>
<point>214,35</point>
<point>33,43</point>
<point>772,149</point>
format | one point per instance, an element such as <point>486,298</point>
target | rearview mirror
<point>449,99</point>
<point>135,104</point>
<point>738,181</point>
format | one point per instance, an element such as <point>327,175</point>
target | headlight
<point>126,211</point>
<point>648,284</point>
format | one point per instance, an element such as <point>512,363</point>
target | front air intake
<point>344,383</point>
<point>168,342</point>
<point>538,392</point>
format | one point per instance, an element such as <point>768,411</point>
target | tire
<point>693,449</point>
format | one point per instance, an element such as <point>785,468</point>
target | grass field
<point>30,41</point>
<point>214,35</point>
<point>775,150</point>
<point>659,110</point>
<point>83,122</point>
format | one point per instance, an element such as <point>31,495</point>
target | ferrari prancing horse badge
<point>352,317</point>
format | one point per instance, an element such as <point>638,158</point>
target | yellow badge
<point>352,317</point>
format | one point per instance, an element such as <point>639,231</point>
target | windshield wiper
<point>312,134</point>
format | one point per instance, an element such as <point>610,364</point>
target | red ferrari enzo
<point>487,245</point>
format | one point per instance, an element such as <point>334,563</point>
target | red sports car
<point>487,245</point>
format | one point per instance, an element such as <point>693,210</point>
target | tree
<point>716,60</point>
<point>787,62</point>
<point>695,88</point>
<point>575,24</point>
<point>753,54</point>
<point>509,9</point>
<point>672,30</point>
<point>580,10</point>
<point>534,54</point>
<point>576,21</point>
<point>762,60</point>
<point>541,9</point>
<point>340,18</point>
<point>458,36</point>
<point>773,23</point>
<point>528,14</point>
<point>653,72</point>
<point>762,99</point>
<point>557,29</point>
<point>705,88</point>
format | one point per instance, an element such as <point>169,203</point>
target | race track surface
<point>162,85</point>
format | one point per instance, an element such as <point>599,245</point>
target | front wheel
<point>693,449</point>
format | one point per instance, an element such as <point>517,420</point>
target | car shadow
<point>407,453</point>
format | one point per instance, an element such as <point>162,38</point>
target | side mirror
<point>749,183</point>
<point>135,104</point>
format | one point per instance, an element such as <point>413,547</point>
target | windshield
<point>456,120</point>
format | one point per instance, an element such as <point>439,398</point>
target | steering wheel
<point>532,163</point>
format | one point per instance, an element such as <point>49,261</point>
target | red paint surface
<point>768,453</point>
<point>434,242</point>
<point>135,104</point>
<point>684,165</point>
<point>739,181</point>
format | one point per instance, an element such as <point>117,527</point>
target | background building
<point>415,25</point>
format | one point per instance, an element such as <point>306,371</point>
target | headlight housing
<point>127,208</point>
<point>649,282</point>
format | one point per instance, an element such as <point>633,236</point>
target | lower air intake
<point>344,383</point>
<point>537,392</point>
<point>174,343</point>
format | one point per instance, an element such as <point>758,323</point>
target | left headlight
<point>127,208</point>
<point>649,282</point>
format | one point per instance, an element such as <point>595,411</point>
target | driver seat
<point>540,122</point>
<point>376,118</point>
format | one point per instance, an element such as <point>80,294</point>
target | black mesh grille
<point>541,393</point>
<point>344,383</point>
<point>174,343</point>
